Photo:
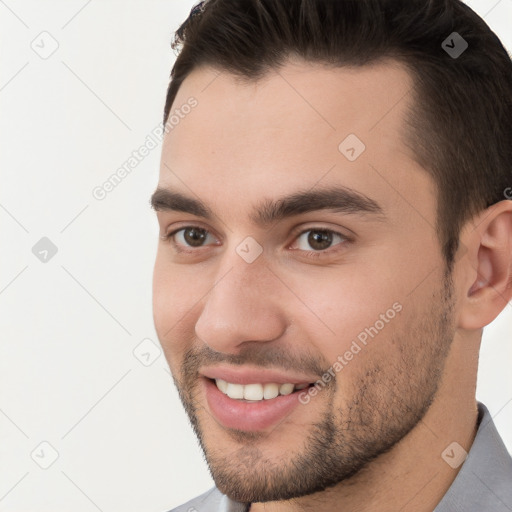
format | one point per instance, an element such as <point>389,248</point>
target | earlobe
<point>490,267</point>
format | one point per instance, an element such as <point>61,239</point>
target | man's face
<point>349,290</point>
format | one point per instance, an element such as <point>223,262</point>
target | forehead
<point>326,99</point>
<point>289,131</point>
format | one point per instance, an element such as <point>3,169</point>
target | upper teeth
<point>256,392</point>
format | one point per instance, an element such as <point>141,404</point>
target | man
<point>336,231</point>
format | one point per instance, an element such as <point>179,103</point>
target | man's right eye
<point>188,237</point>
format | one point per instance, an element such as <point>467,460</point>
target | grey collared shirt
<point>484,482</point>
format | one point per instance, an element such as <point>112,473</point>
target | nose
<point>243,306</point>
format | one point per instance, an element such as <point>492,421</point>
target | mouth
<point>256,392</point>
<point>252,401</point>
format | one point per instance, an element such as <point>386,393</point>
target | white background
<point>69,326</point>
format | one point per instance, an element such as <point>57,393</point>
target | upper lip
<point>247,375</point>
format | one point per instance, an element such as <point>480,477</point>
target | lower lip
<point>247,416</point>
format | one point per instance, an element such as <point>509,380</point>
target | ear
<point>487,266</point>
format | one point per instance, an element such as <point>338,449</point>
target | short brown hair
<point>460,127</point>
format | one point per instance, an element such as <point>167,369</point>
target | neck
<point>413,475</point>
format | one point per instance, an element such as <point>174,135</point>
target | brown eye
<point>191,236</point>
<point>194,237</point>
<point>319,240</point>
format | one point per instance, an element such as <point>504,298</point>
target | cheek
<point>175,292</point>
<point>342,308</point>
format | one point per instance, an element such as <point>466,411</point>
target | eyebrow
<point>338,199</point>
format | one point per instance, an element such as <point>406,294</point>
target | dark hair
<point>460,124</point>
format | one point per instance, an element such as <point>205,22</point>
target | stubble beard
<point>387,400</point>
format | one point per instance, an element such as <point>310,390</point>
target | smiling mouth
<point>257,392</point>
<point>250,405</point>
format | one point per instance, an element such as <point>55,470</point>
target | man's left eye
<point>318,239</point>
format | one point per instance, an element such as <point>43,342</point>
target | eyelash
<point>169,237</point>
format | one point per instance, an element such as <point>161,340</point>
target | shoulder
<point>484,481</point>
